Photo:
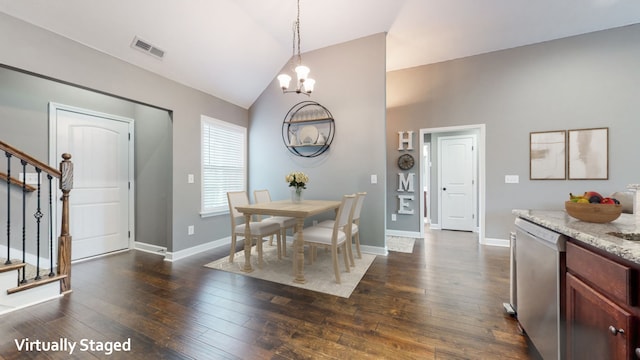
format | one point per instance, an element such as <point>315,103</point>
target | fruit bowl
<point>595,213</point>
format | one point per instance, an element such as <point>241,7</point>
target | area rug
<point>400,244</point>
<point>319,275</point>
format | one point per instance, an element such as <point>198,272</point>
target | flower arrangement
<point>298,180</point>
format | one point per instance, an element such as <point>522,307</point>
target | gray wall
<point>45,53</point>
<point>586,81</point>
<point>24,100</point>
<point>351,84</point>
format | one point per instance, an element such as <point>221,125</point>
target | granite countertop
<point>591,233</point>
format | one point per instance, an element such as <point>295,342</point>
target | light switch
<point>374,179</point>
<point>191,179</point>
<point>511,179</point>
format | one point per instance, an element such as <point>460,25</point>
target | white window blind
<point>223,163</point>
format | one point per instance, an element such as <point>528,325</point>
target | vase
<point>296,194</point>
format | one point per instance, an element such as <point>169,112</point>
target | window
<point>223,163</point>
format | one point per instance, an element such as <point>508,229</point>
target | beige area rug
<point>400,244</point>
<point>319,275</point>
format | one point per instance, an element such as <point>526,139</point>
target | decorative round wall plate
<point>308,135</point>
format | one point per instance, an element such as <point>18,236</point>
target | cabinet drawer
<point>610,277</point>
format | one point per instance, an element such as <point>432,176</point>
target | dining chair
<point>335,238</point>
<point>263,196</point>
<point>355,233</point>
<point>258,229</point>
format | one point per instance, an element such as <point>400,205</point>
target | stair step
<point>30,284</point>
<point>16,265</point>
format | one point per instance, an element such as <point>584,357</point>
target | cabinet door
<point>597,328</point>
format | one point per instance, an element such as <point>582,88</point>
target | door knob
<point>444,189</point>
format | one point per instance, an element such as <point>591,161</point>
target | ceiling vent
<point>145,47</point>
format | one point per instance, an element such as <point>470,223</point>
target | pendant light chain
<point>304,84</point>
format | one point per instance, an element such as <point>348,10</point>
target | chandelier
<point>304,84</point>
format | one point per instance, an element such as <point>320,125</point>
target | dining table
<point>298,210</point>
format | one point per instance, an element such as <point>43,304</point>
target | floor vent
<point>145,47</point>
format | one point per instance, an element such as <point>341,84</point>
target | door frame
<point>481,173</point>
<point>54,161</point>
<point>474,167</point>
<point>426,183</point>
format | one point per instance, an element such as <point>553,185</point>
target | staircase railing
<point>65,177</point>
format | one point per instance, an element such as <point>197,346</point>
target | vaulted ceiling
<point>233,49</point>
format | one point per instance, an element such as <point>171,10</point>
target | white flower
<point>297,179</point>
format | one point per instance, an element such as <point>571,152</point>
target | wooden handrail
<point>14,181</point>
<point>30,160</point>
<point>65,174</point>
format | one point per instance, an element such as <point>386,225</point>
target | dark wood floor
<point>444,301</point>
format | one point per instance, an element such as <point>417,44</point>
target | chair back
<point>344,215</point>
<point>358,207</point>
<point>261,196</point>
<point>236,198</point>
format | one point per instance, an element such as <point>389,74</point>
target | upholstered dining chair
<point>258,229</point>
<point>335,238</point>
<point>263,196</point>
<point>357,209</point>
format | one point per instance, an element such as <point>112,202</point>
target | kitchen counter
<point>590,233</point>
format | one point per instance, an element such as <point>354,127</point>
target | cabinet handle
<point>615,331</point>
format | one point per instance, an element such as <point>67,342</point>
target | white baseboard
<point>374,250</point>
<point>433,226</point>
<point>496,242</point>
<point>150,248</point>
<point>177,255</point>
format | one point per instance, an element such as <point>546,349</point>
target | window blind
<point>223,163</point>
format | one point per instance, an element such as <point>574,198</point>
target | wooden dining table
<point>300,211</point>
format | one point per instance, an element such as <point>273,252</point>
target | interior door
<point>99,202</point>
<point>457,180</point>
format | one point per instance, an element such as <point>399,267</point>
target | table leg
<point>247,244</point>
<point>298,263</point>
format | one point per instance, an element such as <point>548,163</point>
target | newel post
<point>64,241</point>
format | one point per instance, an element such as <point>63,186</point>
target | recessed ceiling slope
<point>217,45</point>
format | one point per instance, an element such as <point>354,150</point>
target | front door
<point>457,181</point>
<point>99,202</point>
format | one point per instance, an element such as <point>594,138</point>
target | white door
<point>100,200</point>
<point>457,179</point>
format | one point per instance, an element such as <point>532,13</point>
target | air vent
<point>145,47</point>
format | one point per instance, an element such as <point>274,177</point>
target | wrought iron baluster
<point>38,216</point>
<point>24,220</point>
<point>51,273</point>
<point>8,155</point>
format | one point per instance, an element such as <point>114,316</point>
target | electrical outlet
<point>191,230</point>
<point>393,217</point>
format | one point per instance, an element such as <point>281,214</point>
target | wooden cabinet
<point>601,306</point>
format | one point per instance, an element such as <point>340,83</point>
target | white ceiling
<point>233,49</point>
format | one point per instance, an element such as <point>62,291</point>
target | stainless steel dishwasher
<point>539,259</point>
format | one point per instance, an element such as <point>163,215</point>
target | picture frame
<point>588,154</point>
<point>547,155</point>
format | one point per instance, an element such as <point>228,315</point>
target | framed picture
<point>589,154</point>
<point>547,155</point>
